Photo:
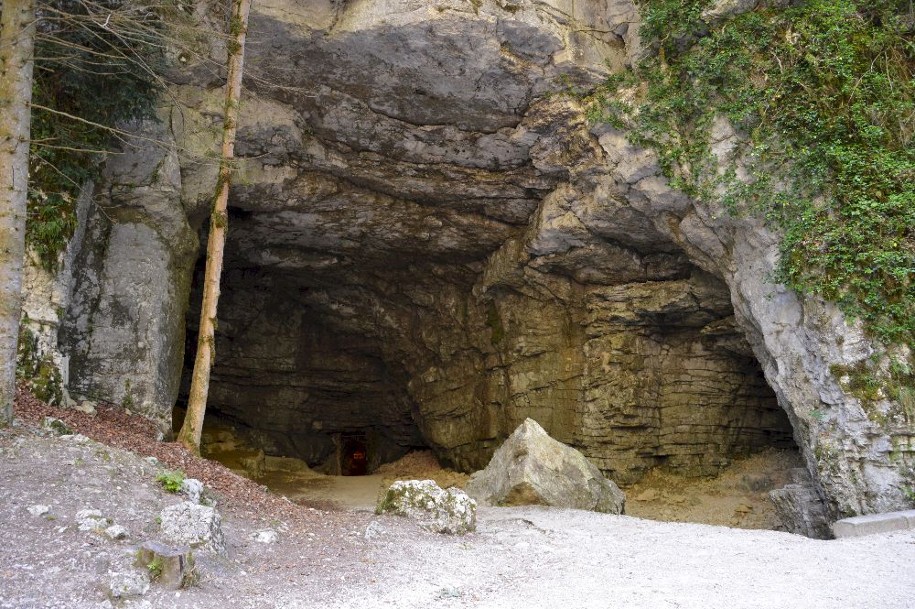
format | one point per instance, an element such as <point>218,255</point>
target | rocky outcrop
<point>123,332</point>
<point>430,243</point>
<point>531,468</point>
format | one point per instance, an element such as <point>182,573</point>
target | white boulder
<point>195,525</point>
<point>432,507</point>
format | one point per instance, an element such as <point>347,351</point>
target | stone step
<point>874,523</point>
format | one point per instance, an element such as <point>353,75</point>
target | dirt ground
<point>347,559</point>
<point>738,497</point>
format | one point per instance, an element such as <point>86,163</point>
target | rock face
<point>435,509</point>
<point>430,243</point>
<point>531,468</point>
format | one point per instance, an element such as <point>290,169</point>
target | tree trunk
<point>219,224</point>
<point>17,37</point>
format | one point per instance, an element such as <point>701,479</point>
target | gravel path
<point>544,557</point>
<point>520,557</point>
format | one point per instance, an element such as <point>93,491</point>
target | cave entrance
<point>353,454</point>
<point>345,373</point>
<point>294,382</point>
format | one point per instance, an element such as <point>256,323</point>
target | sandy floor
<point>738,497</point>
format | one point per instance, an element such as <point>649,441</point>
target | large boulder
<point>533,468</point>
<point>432,507</point>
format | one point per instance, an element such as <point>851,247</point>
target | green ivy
<point>99,74</point>
<point>824,92</point>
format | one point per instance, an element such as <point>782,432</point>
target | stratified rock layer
<point>429,243</point>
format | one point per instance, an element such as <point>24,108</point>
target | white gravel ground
<point>520,557</point>
<point>550,558</point>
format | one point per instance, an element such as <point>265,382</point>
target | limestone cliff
<point>429,243</point>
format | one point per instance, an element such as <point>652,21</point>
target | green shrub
<point>171,481</point>
<point>155,567</point>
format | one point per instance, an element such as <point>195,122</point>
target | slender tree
<point>219,224</point>
<point>17,36</point>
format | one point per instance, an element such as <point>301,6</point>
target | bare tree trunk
<point>17,38</point>
<point>219,224</point>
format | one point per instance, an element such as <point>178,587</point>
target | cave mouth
<point>322,373</point>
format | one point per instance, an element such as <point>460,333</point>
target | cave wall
<point>438,237</point>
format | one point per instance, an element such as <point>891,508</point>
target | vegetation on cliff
<point>96,67</point>
<point>823,92</point>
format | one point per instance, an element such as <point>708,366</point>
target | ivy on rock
<point>824,93</point>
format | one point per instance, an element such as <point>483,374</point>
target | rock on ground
<point>432,507</point>
<point>192,489</point>
<point>57,426</point>
<point>124,584</point>
<point>800,508</point>
<point>39,510</point>
<point>198,526</point>
<point>532,468</point>
<point>91,520</point>
<point>267,536</point>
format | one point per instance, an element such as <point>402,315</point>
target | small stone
<point>115,532</point>
<point>266,536</point>
<point>124,584</point>
<point>373,530</point>
<point>676,498</point>
<point>87,407</point>
<point>91,520</point>
<point>152,460</point>
<point>192,489</point>
<point>56,425</point>
<point>39,510</point>
<point>649,494</point>
<point>743,508</point>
